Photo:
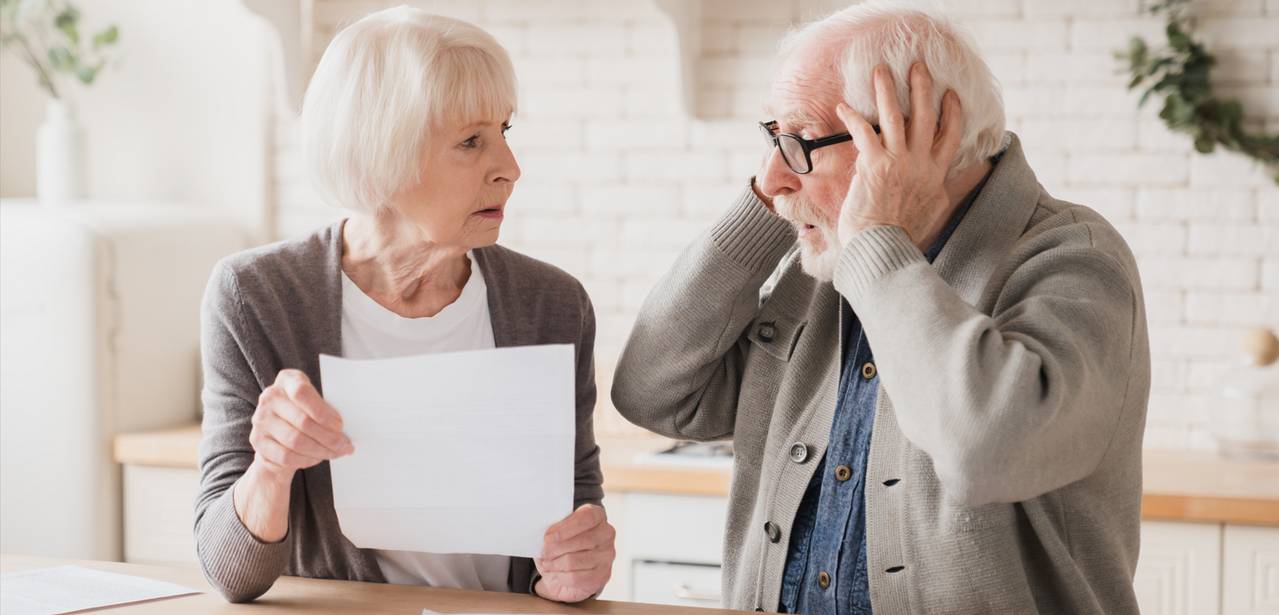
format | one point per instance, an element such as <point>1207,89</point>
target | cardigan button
<point>774,533</point>
<point>799,452</point>
<point>766,331</point>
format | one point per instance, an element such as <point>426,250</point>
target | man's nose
<point>777,179</point>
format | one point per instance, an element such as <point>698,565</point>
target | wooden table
<point>317,596</point>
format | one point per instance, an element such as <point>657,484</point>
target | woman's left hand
<point>577,556</point>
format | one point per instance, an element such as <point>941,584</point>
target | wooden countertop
<point>1179,486</point>
<point>320,596</point>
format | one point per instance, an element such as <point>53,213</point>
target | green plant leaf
<point>1137,46</point>
<point>106,37</point>
<point>1231,112</point>
<point>1177,38</point>
<point>86,74</point>
<point>66,22</point>
<point>60,58</point>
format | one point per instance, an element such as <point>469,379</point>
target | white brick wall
<point>617,177</point>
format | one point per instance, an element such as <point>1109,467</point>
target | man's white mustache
<point>799,210</point>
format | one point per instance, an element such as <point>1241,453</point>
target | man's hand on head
<point>901,172</point>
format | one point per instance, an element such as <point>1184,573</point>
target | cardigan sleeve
<point>234,561</point>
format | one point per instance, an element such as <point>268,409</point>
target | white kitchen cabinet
<point>1179,571</point>
<point>687,529</point>
<point>159,515</point>
<point>1250,571</point>
<point>619,585</point>
<point>669,548</point>
<point>677,584</point>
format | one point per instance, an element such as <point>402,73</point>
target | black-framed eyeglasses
<point>796,150</point>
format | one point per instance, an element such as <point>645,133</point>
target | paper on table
<point>73,588</point>
<point>466,452</point>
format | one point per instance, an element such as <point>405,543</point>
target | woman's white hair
<point>900,33</point>
<point>384,84</point>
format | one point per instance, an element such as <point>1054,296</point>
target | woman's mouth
<point>492,213</point>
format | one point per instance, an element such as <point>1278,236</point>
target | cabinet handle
<point>684,592</point>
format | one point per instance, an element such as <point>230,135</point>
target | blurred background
<point>636,128</point>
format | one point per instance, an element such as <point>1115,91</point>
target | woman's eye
<point>472,142</point>
<point>505,127</point>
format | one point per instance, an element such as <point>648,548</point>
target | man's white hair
<point>383,85</point>
<point>900,33</point>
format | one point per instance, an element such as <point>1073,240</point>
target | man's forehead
<point>792,116</point>
<point>803,98</point>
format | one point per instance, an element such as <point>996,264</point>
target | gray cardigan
<point>280,306</point>
<point>1005,465</point>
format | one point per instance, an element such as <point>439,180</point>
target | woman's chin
<point>485,238</point>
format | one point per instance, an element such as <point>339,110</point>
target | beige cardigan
<point>1005,464</point>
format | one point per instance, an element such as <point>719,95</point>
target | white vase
<point>59,156</point>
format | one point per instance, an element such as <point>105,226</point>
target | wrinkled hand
<point>901,173</point>
<point>294,428</point>
<point>577,556</point>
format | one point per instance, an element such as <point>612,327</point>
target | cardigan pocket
<point>776,335</point>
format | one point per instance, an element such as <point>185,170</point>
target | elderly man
<point>937,394</point>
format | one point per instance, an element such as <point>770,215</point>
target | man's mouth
<point>805,229</point>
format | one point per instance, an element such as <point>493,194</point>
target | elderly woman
<point>404,125</point>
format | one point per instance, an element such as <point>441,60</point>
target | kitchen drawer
<point>1179,572</point>
<point>1250,570</point>
<point>676,584</point>
<point>159,515</point>
<point>675,528</point>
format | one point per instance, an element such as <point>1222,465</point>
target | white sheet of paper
<point>464,452</point>
<point>63,589</point>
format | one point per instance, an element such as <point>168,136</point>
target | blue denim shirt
<point>826,562</point>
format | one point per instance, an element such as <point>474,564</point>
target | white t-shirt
<point>370,331</point>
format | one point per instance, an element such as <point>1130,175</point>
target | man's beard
<point>818,254</point>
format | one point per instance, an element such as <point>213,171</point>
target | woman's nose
<point>507,168</point>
